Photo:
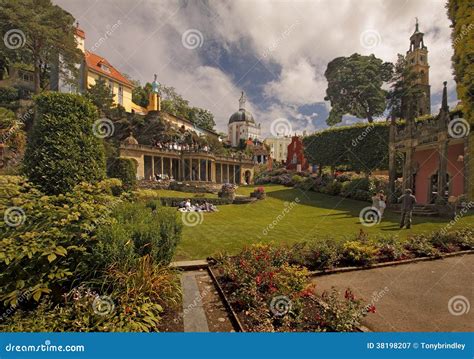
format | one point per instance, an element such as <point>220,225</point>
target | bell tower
<point>417,58</point>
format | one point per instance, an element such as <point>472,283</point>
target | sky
<point>276,51</point>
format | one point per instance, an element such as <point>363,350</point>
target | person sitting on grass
<point>408,201</point>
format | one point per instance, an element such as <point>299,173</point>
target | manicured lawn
<point>316,215</point>
<point>153,193</point>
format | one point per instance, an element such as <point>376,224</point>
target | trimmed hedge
<point>124,169</point>
<point>62,149</point>
<point>362,147</point>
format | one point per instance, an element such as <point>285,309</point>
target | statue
<point>155,85</point>
<point>242,100</point>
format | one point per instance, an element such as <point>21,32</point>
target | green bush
<point>332,188</point>
<point>124,169</point>
<point>453,241</point>
<point>46,248</point>
<point>359,253</point>
<point>138,231</point>
<point>319,254</point>
<point>421,246</point>
<point>391,249</point>
<point>62,149</point>
<point>297,179</point>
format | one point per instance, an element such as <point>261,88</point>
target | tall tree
<point>355,87</point>
<point>45,31</point>
<point>403,93</point>
<point>101,95</point>
<point>202,118</point>
<point>461,14</point>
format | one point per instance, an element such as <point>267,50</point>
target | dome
<point>241,115</point>
<point>130,140</point>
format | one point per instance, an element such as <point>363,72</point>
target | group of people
<point>203,206</point>
<point>407,200</point>
<point>181,147</point>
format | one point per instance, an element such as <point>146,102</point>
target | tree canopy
<point>101,95</point>
<point>40,32</point>
<point>355,87</point>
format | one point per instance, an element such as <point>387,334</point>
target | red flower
<point>371,309</point>
<point>349,295</point>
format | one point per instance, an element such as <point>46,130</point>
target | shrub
<point>319,254</point>
<point>124,169</point>
<point>133,301</point>
<point>341,316</point>
<point>62,149</point>
<point>306,184</point>
<point>297,179</point>
<point>332,188</point>
<point>359,188</point>
<point>421,246</point>
<point>227,191</point>
<point>46,250</point>
<point>452,241</point>
<point>138,231</point>
<point>391,249</point>
<point>359,253</point>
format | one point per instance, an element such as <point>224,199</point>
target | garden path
<point>423,296</point>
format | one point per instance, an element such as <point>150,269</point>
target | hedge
<point>124,169</point>
<point>175,201</point>
<point>62,149</point>
<point>362,147</point>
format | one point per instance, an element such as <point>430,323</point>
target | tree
<point>47,32</point>
<point>461,14</point>
<point>201,118</point>
<point>62,149</point>
<point>101,95</point>
<point>404,92</point>
<point>140,94</point>
<point>355,87</point>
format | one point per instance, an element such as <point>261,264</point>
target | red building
<point>295,159</point>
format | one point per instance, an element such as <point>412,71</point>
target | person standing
<point>408,201</point>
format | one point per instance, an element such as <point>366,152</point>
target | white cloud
<point>296,38</point>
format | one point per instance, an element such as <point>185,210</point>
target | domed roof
<point>130,140</point>
<point>241,116</point>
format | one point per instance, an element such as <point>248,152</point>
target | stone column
<point>161,160</point>
<point>213,171</point>
<point>207,170</point>
<point>222,173</point>
<point>171,167</point>
<point>233,173</point>
<point>199,169</point>
<point>228,173</point>
<point>443,164</point>
<point>153,167</point>
<point>190,169</point>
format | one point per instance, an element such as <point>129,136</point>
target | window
<point>105,67</point>
<point>120,95</point>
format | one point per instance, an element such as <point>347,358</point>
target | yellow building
<point>278,147</point>
<point>96,67</point>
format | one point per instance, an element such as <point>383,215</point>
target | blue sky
<point>276,51</point>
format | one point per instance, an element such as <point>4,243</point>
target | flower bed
<point>327,253</point>
<point>270,294</point>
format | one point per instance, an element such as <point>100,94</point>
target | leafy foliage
<point>101,95</point>
<point>125,170</point>
<point>355,87</point>
<point>49,33</point>
<point>46,252</point>
<point>62,149</point>
<point>362,147</point>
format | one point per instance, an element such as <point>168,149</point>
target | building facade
<point>278,147</point>
<point>295,159</point>
<point>436,155</point>
<point>242,125</point>
<point>184,166</point>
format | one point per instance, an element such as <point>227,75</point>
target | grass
<point>315,215</point>
<point>154,193</point>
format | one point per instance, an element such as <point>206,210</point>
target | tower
<point>417,58</point>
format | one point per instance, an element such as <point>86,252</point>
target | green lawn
<point>316,215</point>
